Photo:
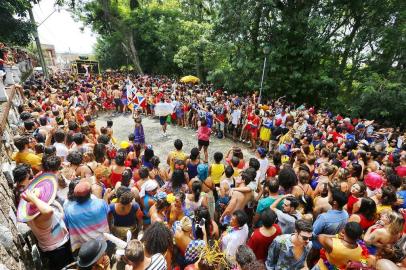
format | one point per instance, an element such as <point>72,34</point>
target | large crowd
<point>322,191</point>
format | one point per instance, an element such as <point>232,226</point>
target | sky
<point>61,30</point>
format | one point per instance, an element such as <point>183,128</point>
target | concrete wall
<point>15,238</point>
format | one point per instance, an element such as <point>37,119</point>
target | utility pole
<point>37,41</point>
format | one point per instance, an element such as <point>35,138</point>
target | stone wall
<point>15,238</point>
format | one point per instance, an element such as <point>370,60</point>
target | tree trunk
<point>131,51</point>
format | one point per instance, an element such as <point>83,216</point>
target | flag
<point>137,101</point>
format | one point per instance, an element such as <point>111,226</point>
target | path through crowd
<point>123,125</point>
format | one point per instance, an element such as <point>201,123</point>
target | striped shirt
<point>158,262</point>
<point>86,221</point>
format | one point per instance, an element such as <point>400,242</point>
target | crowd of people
<point>322,192</point>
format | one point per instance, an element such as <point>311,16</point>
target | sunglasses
<point>306,238</point>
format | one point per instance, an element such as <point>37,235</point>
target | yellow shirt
<point>217,171</point>
<point>176,155</point>
<point>28,158</point>
<point>341,255</point>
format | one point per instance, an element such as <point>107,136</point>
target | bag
<point>220,134</point>
<point>168,119</point>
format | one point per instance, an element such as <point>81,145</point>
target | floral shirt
<point>281,257</point>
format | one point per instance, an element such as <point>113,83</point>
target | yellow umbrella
<point>190,79</point>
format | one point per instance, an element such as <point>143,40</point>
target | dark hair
<point>388,195</point>
<point>235,161</point>
<point>120,158</point>
<point>395,180</point>
<point>294,202</point>
<point>20,172</point>
<point>194,153</point>
<point>244,255</point>
<point>75,157</point>
<point>99,152</point>
<point>229,171</point>
<point>72,125</point>
<point>103,138</point>
<point>178,144</point>
<point>218,156</point>
<point>131,137</point>
<point>71,188</point>
<point>200,213</point>
<point>51,163</point>
<point>29,125</point>
<point>178,179</point>
<point>254,163</point>
<point>357,170</point>
<point>155,161</point>
<point>268,217</point>
<point>126,196</point>
<point>59,136</point>
<point>157,238</point>
<point>203,122</point>
<point>287,178</point>
<point>248,175</point>
<point>43,121</point>
<point>353,230</point>
<point>367,208</point>
<point>339,197</point>
<point>197,189</point>
<point>20,142</point>
<point>143,172</point>
<point>302,225</point>
<point>109,123</point>
<point>126,177</point>
<point>148,154</point>
<point>241,217</point>
<point>273,186</point>
<point>40,138</point>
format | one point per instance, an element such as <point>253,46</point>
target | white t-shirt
<point>61,150</point>
<point>263,166</point>
<point>235,115</point>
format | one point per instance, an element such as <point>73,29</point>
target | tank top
<point>192,170</point>
<point>217,171</point>
<point>115,178</point>
<point>145,211</point>
<point>365,223</point>
<point>340,255</point>
<point>52,237</point>
<point>128,220</point>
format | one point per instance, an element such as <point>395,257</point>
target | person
<point>159,212</point>
<point>337,252</point>
<point>158,245</point>
<point>196,198</point>
<point>135,258</point>
<point>50,231</point>
<point>125,215</point>
<point>366,214</point>
<point>192,162</point>
<point>262,237</point>
<point>289,251</point>
<point>216,170</point>
<point>334,220</point>
<point>235,235</point>
<point>160,175</point>
<point>239,199</point>
<point>385,232</point>
<point>139,136</point>
<point>203,136</point>
<point>92,256</point>
<point>288,217</point>
<point>185,242</point>
<point>244,256</point>
<point>148,190</point>
<point>86,217</point>
<point>24,154</point>
<point>22,174</point>
<point>270,195</point>
<point>162,120</point>
<point>175,155</point>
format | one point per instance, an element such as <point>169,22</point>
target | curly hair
<point>157,238</point>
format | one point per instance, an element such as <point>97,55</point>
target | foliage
<point>340,55</point>
<point>15,27</point>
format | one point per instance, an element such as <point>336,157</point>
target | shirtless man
<point>239,199</point>
<point>117,98</point>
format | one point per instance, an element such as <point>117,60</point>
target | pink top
<point>203,133</point>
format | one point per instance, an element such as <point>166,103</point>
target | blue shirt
<point>281,257</point>
<point>331,223</point>
<point>402,195</point>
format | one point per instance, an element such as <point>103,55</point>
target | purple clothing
<point>139,136</point>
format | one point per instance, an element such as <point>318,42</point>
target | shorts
<point>162,120</point>
<point>117,101</point>
<point>203,143</point>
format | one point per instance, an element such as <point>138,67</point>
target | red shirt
<point>260,243</point>
<point>350,203</point>
<point>401,171</point>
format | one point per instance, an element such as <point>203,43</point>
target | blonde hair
<point>396,223</point>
